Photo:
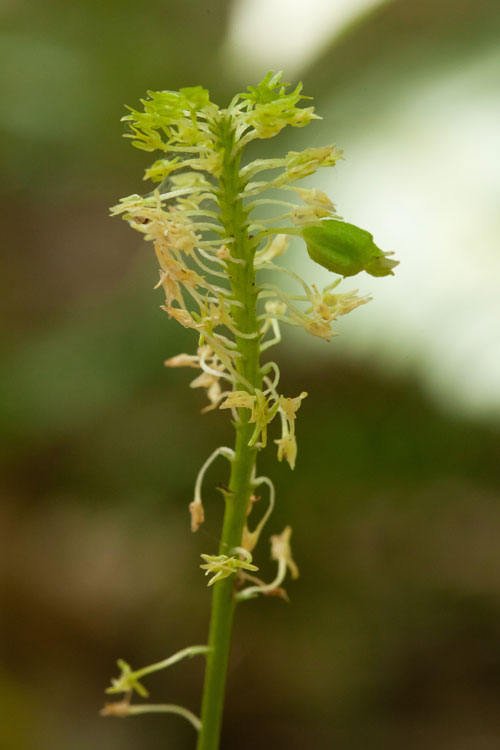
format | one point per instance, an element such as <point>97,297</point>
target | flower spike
<point>218,227</point>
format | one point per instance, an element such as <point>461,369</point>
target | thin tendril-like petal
<point>168,708</point>
<point>221,451</point>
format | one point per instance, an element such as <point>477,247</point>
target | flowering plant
<point>212,247</point>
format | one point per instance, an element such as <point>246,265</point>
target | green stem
<point>242,276</point>
<point>159,665</point>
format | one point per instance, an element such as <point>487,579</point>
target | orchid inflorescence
<point>219,227</point>
<point>185,221</point>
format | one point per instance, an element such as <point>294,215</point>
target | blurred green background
<point>392,637</point>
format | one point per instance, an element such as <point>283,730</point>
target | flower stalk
<point>243,287</point>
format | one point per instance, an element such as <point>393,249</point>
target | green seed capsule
<point>346,249</point>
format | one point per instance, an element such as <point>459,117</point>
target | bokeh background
<point>392,637</point>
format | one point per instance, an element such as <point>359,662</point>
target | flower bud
<point>346,249</point>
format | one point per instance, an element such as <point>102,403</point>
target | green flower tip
<point>196,98</point>
<point>186,119</point>
<point>346,249</point>
<point>271,108</point>
<point>270,89</point>
<point>127,681</point>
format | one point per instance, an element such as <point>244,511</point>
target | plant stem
<point>242,276</point>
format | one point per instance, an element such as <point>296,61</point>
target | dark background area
<point>392,636</point>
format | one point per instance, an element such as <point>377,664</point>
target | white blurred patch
<point>425,180</point>
<point>285,34</point>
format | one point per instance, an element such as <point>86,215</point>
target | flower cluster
<point>219,228</point>
<point>205,264</point>
<point>182,218</point>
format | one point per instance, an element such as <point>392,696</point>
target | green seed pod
<point>346,249</point>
